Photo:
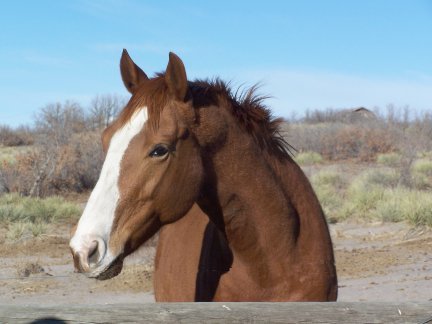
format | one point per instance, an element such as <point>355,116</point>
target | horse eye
<point>158,151</point>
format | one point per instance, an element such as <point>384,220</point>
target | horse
<point>208,167</point>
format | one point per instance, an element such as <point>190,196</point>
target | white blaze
<point>98,216</point>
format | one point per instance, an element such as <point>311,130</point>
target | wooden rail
<point>222,313</point>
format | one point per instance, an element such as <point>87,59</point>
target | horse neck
<point>266,206</point>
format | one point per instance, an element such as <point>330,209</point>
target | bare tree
<point>56,125</point>
<point>22,135</point>
<point>104,109</point>
<point>57,122</point>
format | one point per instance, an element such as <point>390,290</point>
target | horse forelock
<point>152,94</point>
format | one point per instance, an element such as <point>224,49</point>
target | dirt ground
<point>375,262</point>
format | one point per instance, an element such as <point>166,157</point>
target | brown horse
<point>239,220</point>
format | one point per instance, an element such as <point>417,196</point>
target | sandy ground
<point>375,262</point>
<point>383,262</point>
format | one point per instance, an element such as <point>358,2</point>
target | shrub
<point>384,178</point>
<point>78,165</point>
<point>328,178</point>
<point>328,186</point>
<point>15,137</point>
<point>424,155</point>
<point>423,167</point>
<point>364,200</point>
<point>339,141</point>
<point>421,172</point>
<point>420,183</point>
<point>330,201</point>
<point>406,204</point>
<point>38,229</point>
<point>357,141</point>
<point>308,158</point>
<point>9,154</point>
<point>48,170</point>
<point>361,199</point>
<point>16,209</point>
<point>389,209</point>
<point>420,212</point>
<point>20,174</point>
<point>16,231</point>
<point>389,159</point>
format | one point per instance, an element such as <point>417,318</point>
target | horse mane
<point>246,105</point>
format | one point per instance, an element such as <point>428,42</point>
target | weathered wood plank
<point>224,313</point>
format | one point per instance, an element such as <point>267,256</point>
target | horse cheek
<point>179,194</point>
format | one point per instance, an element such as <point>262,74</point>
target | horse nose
<point>87,256</point>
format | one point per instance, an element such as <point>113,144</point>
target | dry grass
<point>389,159</point>
<point>308,158</point>
<point>372,195</point>
<point>422,167</point>
<point>14,208</point>
<point>398,147</point>
<point>421,173</point>
<point>9,154</point>
<point>29,217</point>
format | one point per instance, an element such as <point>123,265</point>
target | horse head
<point>152,171</point>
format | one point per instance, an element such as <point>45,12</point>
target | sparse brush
<point>419,208</point>
<point>14,208</point>
<point>424,155</point>
<point>16,231</point>
<point>389,209</point>
<point>62,209</point>
<point>328,186</point>
<point>37,229</point>
<point>9,154</point>
<point>423,167</point>
<point>365,200</point>
<point>384,178</point>
<point>420,182</point>
<point>402,204</point>
<point>362,197</point>
<point>389,159</point>
<point>346,211</point>
<point>373,195</point>
<point>330,202</point>
<point>422,174</point>
<point>308,158</point>
<point>328,178</point>
<point>19,229</point>
<point>341,141</point>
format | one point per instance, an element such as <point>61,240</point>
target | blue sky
<point>307,54</point>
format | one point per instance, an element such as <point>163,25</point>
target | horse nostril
<point>87,253</point>
<point>80,262</point>
<point>93,253</point>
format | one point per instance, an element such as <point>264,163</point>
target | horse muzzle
<point>89,254</point>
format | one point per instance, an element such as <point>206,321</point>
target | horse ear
<point>131,73</point>
<point>175,77</point>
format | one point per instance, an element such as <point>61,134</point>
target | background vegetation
<point>367,165</point>
<point>60,155</point>
<point>363,165</point>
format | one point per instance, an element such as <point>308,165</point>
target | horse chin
<point>112,270</point>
